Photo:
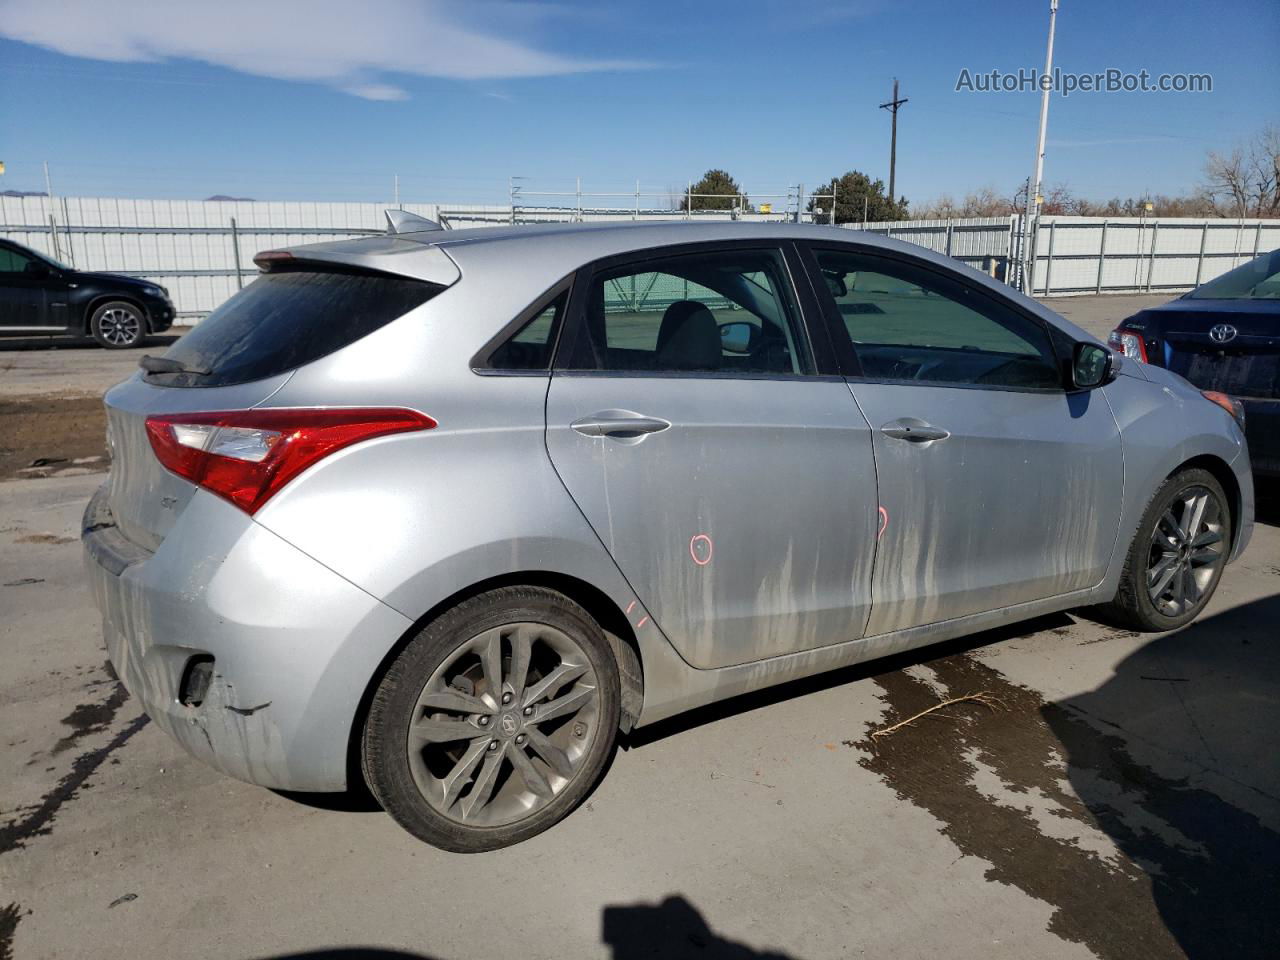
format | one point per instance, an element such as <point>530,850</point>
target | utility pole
<point>1036,185</point>
<point>892,106</point>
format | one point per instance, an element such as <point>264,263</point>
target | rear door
<point>997,487</point>
<point>715,453</point>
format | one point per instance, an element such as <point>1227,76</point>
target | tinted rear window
<point>283,320</point>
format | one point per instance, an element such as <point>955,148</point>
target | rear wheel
<point>494,722</point>
<point>117,325</point>
<point>1177,556</point>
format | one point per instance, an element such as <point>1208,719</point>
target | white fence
<point>203,250</point>
<point>1091,255</point>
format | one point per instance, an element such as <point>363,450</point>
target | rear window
<point>1258,279</point>
<point>286,319</point>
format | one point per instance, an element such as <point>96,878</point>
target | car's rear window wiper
<point>165,365</point>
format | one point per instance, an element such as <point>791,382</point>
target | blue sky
<point>327,100</point>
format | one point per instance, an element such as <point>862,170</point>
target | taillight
<point>1229,404</point>
<point>1128,343</point>
<point>245,456</point>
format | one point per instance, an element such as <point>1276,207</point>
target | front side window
<point>726,312</point>
<point>910,323</point>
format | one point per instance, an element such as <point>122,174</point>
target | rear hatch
<point>310,302</point>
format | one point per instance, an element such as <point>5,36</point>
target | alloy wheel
<point>1187,551</point>
<point>119,327</point>
<point>504,724</point>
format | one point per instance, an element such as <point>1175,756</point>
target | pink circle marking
<point>884,521</point>
<point>693,549</point>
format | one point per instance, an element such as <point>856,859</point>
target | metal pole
<point>637,214</point>
<point>950,225</point>
<point>1151,262</point>
<point>1048,266</point>
<point>864,211</point>
<point>235,248</point>
<point>1102,257</point>
<point>799,202</point>
<point>833,203</point>
<point>579,199</point>
<point>688,200</point>
<point>53,231</point>
<point>1036,184</point>
<point>1204,237</point>
<point>1257,241</point>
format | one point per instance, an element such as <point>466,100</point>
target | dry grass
<point>988,700</point>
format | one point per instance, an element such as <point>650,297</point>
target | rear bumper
<point>294,645</point>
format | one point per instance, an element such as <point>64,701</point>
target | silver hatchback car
<point>449,510</point>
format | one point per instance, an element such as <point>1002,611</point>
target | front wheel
<point>117,325</point>
<point>495,721</point>
<point>1177,557</point>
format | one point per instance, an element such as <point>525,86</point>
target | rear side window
<point>531,346</point>
<point>284,320</point>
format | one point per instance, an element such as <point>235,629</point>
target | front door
<point>734,488</point>
<point>997,486</point>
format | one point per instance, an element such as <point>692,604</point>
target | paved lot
<point>1126,803</point>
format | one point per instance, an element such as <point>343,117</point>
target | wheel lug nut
<point>484,721</point>
<point>528,711</point>
<point>493,744</point>
<point>521,738</point>
<point>506,698</point>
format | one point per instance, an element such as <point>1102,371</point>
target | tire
<point>480,772</point>
<point>1138,603</point>
<point>118,325</point>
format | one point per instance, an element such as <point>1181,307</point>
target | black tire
<point>1133,606</point>
<point>118,325</point>
<point>385,748</point>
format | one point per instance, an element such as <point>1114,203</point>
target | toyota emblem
<point>1222,333</point>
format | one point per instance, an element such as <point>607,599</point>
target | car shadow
<point>15,344</point>
<point>1204,701</point>
<point>835,678</point>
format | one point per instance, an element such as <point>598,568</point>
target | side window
<point>727,312</point>
<point>910,323</point>
<point>11,261</point>
<point>530,347</point>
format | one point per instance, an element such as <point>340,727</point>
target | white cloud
<point>351,46</point>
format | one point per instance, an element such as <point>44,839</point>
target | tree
<point>850,191</point>
<point>1246,181</point>
<point>725,192</point>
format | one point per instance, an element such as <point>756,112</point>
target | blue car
<point>1223,336</point>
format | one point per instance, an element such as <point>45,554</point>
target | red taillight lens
<point>245,456</point>
<point>1128,343</point>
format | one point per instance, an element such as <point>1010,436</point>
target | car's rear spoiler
<point>383,254</point>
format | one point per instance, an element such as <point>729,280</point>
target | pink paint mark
<point>631,606</point>
<point>701,548</point>
<point>884,521</point>
<point>643,621</point>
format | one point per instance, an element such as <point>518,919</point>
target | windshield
<point>1256,280</point>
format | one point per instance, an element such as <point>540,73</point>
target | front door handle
<point>913,430</point>
<point>618,423</point>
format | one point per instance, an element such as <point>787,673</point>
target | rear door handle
<point>913,430</point>
<point>618,423</point>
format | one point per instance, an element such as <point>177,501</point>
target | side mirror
<point>736,337</point>
<point>1092,366</point>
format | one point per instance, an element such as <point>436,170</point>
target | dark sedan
<point>41,297</point>
<point>1223,336</point>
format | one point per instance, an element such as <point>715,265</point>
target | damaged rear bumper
<point>293,644</point>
